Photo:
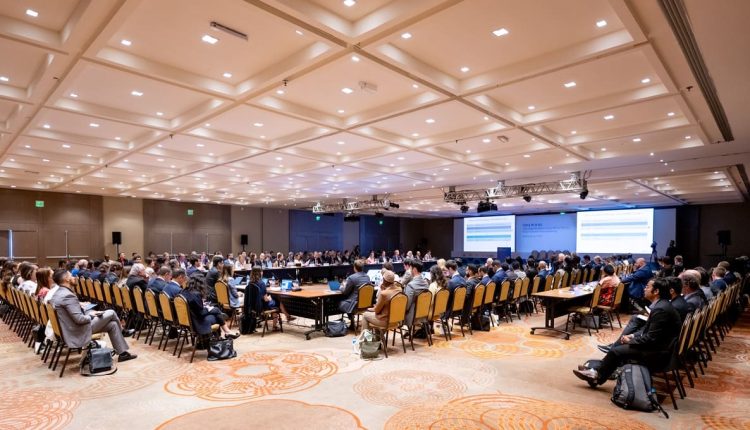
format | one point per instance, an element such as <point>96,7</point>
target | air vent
<point>30,172</point>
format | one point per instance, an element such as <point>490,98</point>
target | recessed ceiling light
<point>532,107</point>
<point>651,154</point>
<point>391,164</point>
<point>200,145</point>
<point>160,160</point>
<point>299,32</point>
<point>210,154</point>
<point>65,145</point>
<point>464,69</point>
<point>172,166</point>
<point>604,149</point>
<point>118,138</point>
<point>609,117</point>
<point>601,23</point>
<point>88,155</point>
<point>227,75</point>
<point>645,80</point>
<point>526,156</point>
<point>350,3</point>
<point>670,113</point>
<point>573,132</point>
<point>570,84</point>
<point>46,126</point>
<point>338,153</point>
<point>486,140</point>
<point>208,124</point>
<point>341,111</point>
<point>74,95</point>
<point>500,32</point>
<point>209,39</point>
<point>636,139</point>
<point>4,78</point>
<point>347,90</point>
<point>136,93</point>
<point>406,35</point>
<point>13,159</point>
<point>415,134</point>
<point>125,161</point>
<point>400,158</point>
<point>468,151</point>
<point>93,125</point>
<point>27,146</point>
<point>341,142</point>
<point>280,92</point>
<point>430,121</point>
<point>688,137</point>
<point>279,158</point>
<point>446,169</point>
<point>159,113</point>
<point>355,58</point>
<point>257,124</point>
<point>32,13</point>
<point>125,42</point>
<point>262,136</point>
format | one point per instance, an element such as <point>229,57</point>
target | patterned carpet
<point>505,378</point>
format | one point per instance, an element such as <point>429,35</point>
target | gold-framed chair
<point>168,321</point>
<point>586,311</point>
<point>421,315</point>
<point>477,300</point>
<point>365,295</point>
<point>222,296</point>
<point>614,310</point>
<point>503,300</point>
<point>456,310</point>
<point>396,317</point>
<point>152,309</point>
<point>185,325</point>
<point>489,299</point>
<point>438,308</point>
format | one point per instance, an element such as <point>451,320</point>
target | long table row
<point>339,271</point>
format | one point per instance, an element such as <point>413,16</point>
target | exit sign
<point>190,212</point>
<point>40,203</point>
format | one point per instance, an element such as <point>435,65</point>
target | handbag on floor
<point>633,390</point>
<point>336,328</point>
<point>221,349</point>
<point>97,361</point>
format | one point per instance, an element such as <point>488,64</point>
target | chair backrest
<point>90,288</point>
<point>441,303</point>
<point>152,307</point>
<point>535,284</point>
<point>548,282</point>
<point>397,309</point>
<point>365,295</point>
<point>684,333</point>
<point>222,293</point>
<point>98,291</point>
<point>108,293</point>
<point>585,275</point>
<point>43,314</point>
<point>422,305</point>
<point>181,311</point>
<point>565,280</point>
<point>478,297</point>
<point>117,294</point>
<point>504,290</point>
<point>138,298</point>
<point>489,293</point>
<point>525,287</point>
<point>459,297</point>
<point>166,307</point>
<point>556,280</point>
<point>618,295</point>
<point>595,296</point>
<point>576,278</point>
<point>517,287</point>
<point>127,304</point>
<point>54,322</point>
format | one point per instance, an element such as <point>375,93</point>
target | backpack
<point>634,391</point>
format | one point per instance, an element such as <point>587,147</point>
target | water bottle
<point>355,343</point>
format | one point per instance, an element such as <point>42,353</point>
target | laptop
<point>427,275</point>
<point>237,280</point>
<point>334,285</point>
<point>286,285</point>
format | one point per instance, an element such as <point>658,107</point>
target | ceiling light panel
<point>322,87</point>
<point>95,82</point>
<point>74,126</point>
<point>597,79</point>
<point>449,117</point>
<point>26,62</point>
<point>270,39</point>
<point>442,44</point>
<point>241,121</point>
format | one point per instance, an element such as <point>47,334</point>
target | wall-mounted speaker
<point>116,238</point>
<point>243,239</point>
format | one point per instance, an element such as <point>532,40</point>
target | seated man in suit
<point>351,291</point>
<point>163,275</point>
<point>651,346</point>
<point>217,264</point>
<point>416,285</point>
<point>675,298</point>
<point>454,278</point>
<point>718,283</point>
<point>484,276</point>
<point>691,290</point>
<point>396,257</point>
<point>637,281</point>
<point>173,288</point>
<point>78,327</point>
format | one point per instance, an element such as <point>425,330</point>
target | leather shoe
<point>232,336</point>
<point>604,348</point>
<point>589,375</point>
<point>128,332</point>
<point>125,356</point>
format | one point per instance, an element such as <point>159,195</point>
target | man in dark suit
<point>500,273</point>
<point>678,302</point>
<point>455,279</point>
<point>217,264</point>
<point>163,275</point>
<point>691,290</point>
<point>351,290</point>
<point>78,327</point>
<point>637,280</point>
<point>651,346</point>
<point>173,288</point>
<point>137,277</point>
<point>396,257</point>
<point>485,278</point>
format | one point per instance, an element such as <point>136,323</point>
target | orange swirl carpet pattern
<point>502,379</point>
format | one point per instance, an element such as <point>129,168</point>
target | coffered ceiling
<point>327,100</point>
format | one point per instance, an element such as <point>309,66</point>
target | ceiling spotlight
<point>464,69</point>
<point>227,75</point>
<point>209,39</point>
<point>500,32</point>
<point>32,13</point>
<point>125,42</point>
<point>347,90</point>
<point>406,35</point>
<point>350,3</point>
<point>584,194</point>
<point>570,84</point>
<point>527,198</point>
<point>4,78</point>
<point>601,23</point>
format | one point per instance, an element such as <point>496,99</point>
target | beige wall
<point>275,230</point>
<point>123,214</point>
<point>168,227</point>
<point>249,221</point>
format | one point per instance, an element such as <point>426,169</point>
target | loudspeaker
<point>725,237</point>
<point>116,238</point>
<point>243,239</point>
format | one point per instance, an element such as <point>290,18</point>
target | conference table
<point>330,272</point>
<point>556,303</point>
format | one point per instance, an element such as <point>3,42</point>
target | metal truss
<point>576,184</point>
<point>355,206</point>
